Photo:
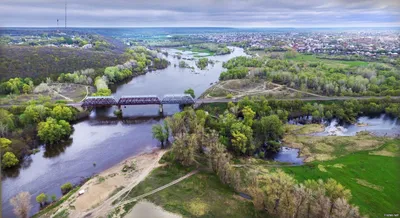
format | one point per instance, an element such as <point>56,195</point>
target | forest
<point>326,78</point>
<point>42,62</point>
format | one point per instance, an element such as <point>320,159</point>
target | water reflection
<point>55,150</point>
<point>286,155</point>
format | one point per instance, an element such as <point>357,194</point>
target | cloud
<point>235,13</point>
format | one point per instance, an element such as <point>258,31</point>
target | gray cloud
<point>235,13</point>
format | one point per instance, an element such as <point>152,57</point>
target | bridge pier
<point>161,109</point>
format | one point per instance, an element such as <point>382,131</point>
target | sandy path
<point>102,190</point>
<point>145,209</point>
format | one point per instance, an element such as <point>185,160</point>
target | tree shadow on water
<point>52,151</point>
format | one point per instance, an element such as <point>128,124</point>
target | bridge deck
<point>99,101</point>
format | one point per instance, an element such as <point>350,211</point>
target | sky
<point>201,13</point>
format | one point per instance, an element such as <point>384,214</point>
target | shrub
<point>66,187</point>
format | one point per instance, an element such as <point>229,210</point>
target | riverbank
<point>101,190</point>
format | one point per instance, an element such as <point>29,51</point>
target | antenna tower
<point>65,14</point>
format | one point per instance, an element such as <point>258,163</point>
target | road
<point>333,98</point>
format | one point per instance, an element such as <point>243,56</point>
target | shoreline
<point>109,185</point>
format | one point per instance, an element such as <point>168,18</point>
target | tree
<point>242,137</point>
<point>248,115</point>
<point>62,113</point>
<point>66,187</point>
<point>53,198</point>
<point>159,134</point>
<point>190,91</point>
<point>22,204</point>
<point>184,149</point>
<point>4,145</point>
<point>53,131</point>
<point>34,114</point>
<point>6,119</point>
<point>9,160</point>
<point>41,198</point>
<point>269,128</point>
<point>277,188</point>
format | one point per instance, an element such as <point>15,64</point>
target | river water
<point>102,141</point>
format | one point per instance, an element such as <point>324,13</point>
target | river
<point>102,141</point>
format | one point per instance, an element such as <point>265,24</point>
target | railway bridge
<point>105,101</point>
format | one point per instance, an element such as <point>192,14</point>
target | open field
<point>315,59</point>
<point>239,88</point>
<point>67,92</point>
<point>374,180</point>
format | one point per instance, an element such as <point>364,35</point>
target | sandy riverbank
<point>103,189</point>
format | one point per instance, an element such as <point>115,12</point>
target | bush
<point>229,96</point>
<point>66,188</point>
<point>41,198</point>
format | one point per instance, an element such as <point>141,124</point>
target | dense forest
<point>42,62</point>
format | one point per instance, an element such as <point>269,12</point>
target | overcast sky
<point>223,13</point>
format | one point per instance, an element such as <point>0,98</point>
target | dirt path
<point>63,96</point>
<point>159,189</point>
<point>87,93</point>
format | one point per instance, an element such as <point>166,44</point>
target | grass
<point>313,58</point>
<point>62,214</point>
<point>374,180</point>
<point>201,195</point>
<point>304,129</point>
<point>56,204</point>
<point>197,50</point>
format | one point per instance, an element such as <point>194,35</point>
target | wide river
<point>102,141</point>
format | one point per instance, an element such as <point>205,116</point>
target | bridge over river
<point>185,99</point>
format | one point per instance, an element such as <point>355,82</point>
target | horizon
<point>206,13</point>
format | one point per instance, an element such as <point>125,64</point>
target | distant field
<point>197,50</point>
<point>374,180</point>
<point>313,58</point>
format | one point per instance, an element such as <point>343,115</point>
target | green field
<point>374,180</point>
<point>201,195</point>
<point>313,58</point>
<point>197,50</point>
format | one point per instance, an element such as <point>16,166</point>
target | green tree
<point>4,145</point>
<point>190,92</point>
<point>52,131</point>
<point>269,128</point>
<point>242,137</point>
<point>6,118</point>
<point>41,198</point>
<point>159,134</point>
<point>9,160</point>
<point>66,187</point>
<point>34,114</point>
<point>60,112</point>
<point>248,115</point>
<point>53,198</point>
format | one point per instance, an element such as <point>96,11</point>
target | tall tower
<point>65,14</point>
